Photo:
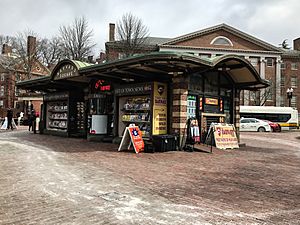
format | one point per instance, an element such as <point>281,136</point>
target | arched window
<point>221,40</point>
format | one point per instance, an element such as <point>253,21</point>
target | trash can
<point>163,143</point>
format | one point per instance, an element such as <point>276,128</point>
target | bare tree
<point>51,51</point>
<point>77,39</point>
<point>27,57</point>
<point>260,97</point>
<point>7,40</point>
<point>131,34</point>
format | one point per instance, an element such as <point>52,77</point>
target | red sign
<point>132,135</point>
<point>99,85</point>
<point>136,138</point>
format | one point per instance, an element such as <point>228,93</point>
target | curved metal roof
<point>162,65</point>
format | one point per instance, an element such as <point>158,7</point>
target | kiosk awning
<point>157,66</point>
<point>162,66</point>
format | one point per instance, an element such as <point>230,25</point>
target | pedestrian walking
<point>32,121</point>
<point>20,117</point>
<point>9,119</point>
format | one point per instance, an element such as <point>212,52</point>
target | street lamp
<point>289,93</point>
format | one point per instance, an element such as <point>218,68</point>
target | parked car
<point>274,126</point>
<point>253,124</point>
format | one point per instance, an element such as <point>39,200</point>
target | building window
<point>253,61</point>
<point>221,40</point>
<point>121,55</point>
<point>294,102</point>
<point>18,77</point>
<point>283,66</point>
<point>294,66</point>
<point>2,90</point>
<point>282,100</point>
<point>17,91</point>
<point>282,81</point>
<point>294,82</point>
<point>270,62</point>
<point>254,95</point>
<point>269,95</point>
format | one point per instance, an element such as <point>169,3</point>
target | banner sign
<point>159,124</point>
<point>132,135</point>
<point>133,89</point>
<point>225,136</point>
<point>56,96</point>
<point>66,71</point>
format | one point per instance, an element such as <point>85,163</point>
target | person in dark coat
<point>33,114</point>
<point>9,118</point>
<point>31,121</point>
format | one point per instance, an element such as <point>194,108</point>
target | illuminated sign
<point>101,86</point>
<point>201,103</point>
<point>211,101</point>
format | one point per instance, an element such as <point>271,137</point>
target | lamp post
<point>289,93</point>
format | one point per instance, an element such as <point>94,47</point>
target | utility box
<point>163,143</point>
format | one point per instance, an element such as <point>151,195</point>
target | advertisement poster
<point>225,136</point>
<point>160,112</point>
<point>132,135</point>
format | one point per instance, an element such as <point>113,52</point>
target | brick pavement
<point>52,180</point>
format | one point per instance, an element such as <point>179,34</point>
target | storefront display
<point>144,105</point>
<point>57,118</point>
<point>100,108</point>
<point>64,114</point>
<point>191,106</point>
<point>80,116</point>
<point>136,110</point>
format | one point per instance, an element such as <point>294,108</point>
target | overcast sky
<point>269,20</point>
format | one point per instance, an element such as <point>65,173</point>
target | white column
<point>262,73</point>
<point>278,80</point>
<point>246,93</point>
<point>262,68</point>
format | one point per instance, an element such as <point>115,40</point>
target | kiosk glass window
<point>98,106</point>
<point>211,83</point>
<point>196,83</point>
<point>225,86</point>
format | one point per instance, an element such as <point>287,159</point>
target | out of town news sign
<point>66,71</point>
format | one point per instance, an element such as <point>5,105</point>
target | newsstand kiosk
<point>64,114</point>
<point>145,105</point>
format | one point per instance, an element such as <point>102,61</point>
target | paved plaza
<point>53,180</point>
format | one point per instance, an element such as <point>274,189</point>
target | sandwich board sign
<point>132,135</point>
<point>225,136</point>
